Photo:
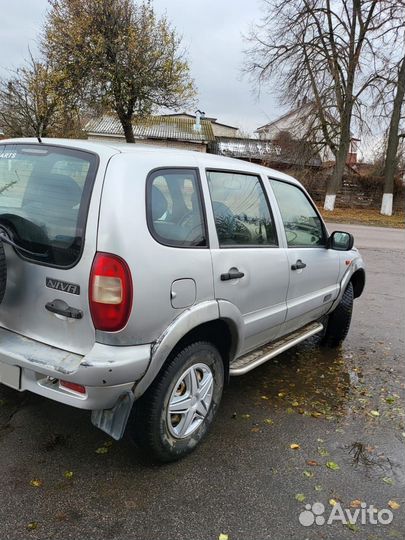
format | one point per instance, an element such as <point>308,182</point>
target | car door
<point>313,269</point>
<point>250,270</point>
<point>49,206</point>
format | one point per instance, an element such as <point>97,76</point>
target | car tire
<point>177,410</point>
<point>3,272</point>
<point>338,324</point>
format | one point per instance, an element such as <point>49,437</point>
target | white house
<point>301,124</point>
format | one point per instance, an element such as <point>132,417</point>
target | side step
<point>256,358</point>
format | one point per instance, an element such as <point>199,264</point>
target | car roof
<point>204,159</point>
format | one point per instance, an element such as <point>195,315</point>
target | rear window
<point>44,198</point>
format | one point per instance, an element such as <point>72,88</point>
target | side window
<point>174,208</point>
<point>242,215</point>
<point>302,224</point>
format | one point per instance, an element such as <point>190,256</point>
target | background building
<point>179,130</point>
<point>301,126</point>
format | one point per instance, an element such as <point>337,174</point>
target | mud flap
<point>113,421</point>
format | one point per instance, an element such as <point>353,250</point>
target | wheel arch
<point>190,326</point>
<point>217,332</point>
<point>358,280</point>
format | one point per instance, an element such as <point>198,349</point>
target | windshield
<point>44,197</point>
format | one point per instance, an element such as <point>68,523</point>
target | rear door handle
<point>298,265</point>
<point>232,274</point>
<point>61,308</point>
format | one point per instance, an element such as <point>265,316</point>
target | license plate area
<point>10,376</point>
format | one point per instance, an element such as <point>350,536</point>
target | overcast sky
<point>212,32</point>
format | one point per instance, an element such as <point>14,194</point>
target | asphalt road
<point>343,408</point>
<point>373,237</point>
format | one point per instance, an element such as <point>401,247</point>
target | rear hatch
<point>47,208</point>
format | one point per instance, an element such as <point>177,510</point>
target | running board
<point>256,358</point>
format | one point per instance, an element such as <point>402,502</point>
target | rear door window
<point>175,212</point>
<point>241,211</point>
<point>44,198</point>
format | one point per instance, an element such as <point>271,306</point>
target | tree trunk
<point>40,130</point>
<point>392,145</point>
<point>335,179</point>
<point>126,123</point>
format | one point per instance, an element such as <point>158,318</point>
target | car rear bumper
<point>106,371</point>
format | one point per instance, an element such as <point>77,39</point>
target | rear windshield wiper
<point>5,238</point>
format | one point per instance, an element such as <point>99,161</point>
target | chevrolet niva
<point>135,280</point>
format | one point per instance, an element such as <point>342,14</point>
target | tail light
<point>110,292</point>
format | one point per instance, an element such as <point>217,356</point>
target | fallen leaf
<point>300,497</point>
<point>104,448</point>
<point>245,416</point>
<point>374,413</point>
<point>223,536</point>
<point>264,397</point>
<point>318,487</point>
<point>32,525</point>
<point>356,503</point>
<point>352,526</point>
<point>388,480</point>
<point>255,430</point>
<point>332,465</point>
<point>36,483</point>
<point>295,446</point>
<point>333,502</point>
<point>322,451</point>
<point>68,475</point>
<point>312,463</point>
<point>394,505</point>
<point>390,400</point>
<point>294,404</point>
<point>281,394</point>
<point>268,421</point>
<point>308,474</point>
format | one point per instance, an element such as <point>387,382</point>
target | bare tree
<point>26,106</point>
<point>30,104</point>
<point>391,161</point>
<point>118,55</point>
<point>296,152</point>
<point>324,50</point>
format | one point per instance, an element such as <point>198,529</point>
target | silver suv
<point>134,281</point>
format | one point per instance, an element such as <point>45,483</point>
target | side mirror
<point>341,241</point>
